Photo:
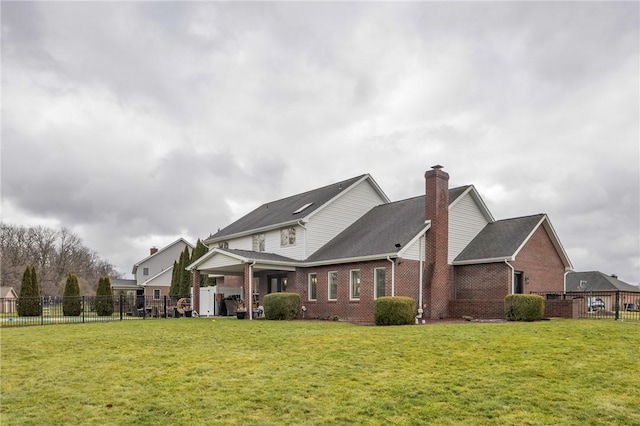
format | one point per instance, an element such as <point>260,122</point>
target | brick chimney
<point>153,250</point>
<point>437,270</point>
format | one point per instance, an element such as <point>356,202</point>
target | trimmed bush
<point>394,310</point>
<point>71,303</point>
<point>29,302</point>
<point>104,298</point>
<point>523,307</point>
<point>282,306</point>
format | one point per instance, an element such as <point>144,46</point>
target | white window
<point>354,284</point>
<point>223,244</point>
<point>288,237</point>
<point>145,271</point>
<point>333,285</point>
<point>313,286</point>
<point>156,294</point>
<point>257,241</point>
<point>378,282</point>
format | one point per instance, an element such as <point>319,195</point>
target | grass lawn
<point>225,371</point>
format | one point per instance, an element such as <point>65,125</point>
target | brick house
<point>343,245</point>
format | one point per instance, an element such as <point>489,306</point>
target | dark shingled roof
<point>281,211</point>
<point>499,239</point>
<point>259,255</point>
<point>597,281</point>
<point>378,231</point>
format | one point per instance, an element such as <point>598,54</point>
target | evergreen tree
<point>175,285</point>
<point>104,297</point>
<point>29,303</point>
<point>198,252</point>
<point>186,281</point>
<point>71,303</point>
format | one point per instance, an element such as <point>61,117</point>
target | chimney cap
<point>437,167</point>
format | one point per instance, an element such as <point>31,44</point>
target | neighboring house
<point>8,299</point>
<point>120,286</point>
<point>153,273</point>
<point>602,289</point>
<point>343,245</point>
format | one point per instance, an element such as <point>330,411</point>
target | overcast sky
<point>134,124</point>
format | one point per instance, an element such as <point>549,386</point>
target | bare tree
<point>54,253</point>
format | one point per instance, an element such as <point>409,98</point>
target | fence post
<point>164,305</point>
<point>41,310</point>
<point>617,304</point>
<point>121,303</point>
<point>83,309</point>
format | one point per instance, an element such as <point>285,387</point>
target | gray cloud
<point>136,123</point>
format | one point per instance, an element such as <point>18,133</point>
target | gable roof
<point>503,239</point>
<point>8,292</point>
<point>290,210</point>
<point>135,267</point>
<point>377,232</point>
<point>597,281</point>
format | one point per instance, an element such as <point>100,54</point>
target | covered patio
<point>257,273</point>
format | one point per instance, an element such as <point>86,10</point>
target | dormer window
<point>301,209</point>
<point>287,237</point>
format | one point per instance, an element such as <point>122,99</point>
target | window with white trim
<point>257,242</point>
<point>354,284</point>
<point>156,294</point>
<point>313,286</point>
<point>288,236</point>
<point>333,285</point>
<point>378,282</point>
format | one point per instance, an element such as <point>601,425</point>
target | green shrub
<point>282,306</point>
<point>394,310</point>
<point>71,303</point>
<point>29,302</point>
<point>523,307</point>
<point>104,298</point>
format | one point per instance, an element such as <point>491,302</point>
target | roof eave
<point>368,258</point>
<point>214,239</point>
<point>486,260</point>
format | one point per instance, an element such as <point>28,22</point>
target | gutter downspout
<point>393,276</point>
<point>250,308</point>
<point>564,283</point>
<point>513,273</point>
<point>421,243</point>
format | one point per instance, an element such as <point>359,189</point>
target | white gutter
<point>564,283</point>
<point>421,273</point>
<point>513,274</point>
<point>250,309</point>
<point>393,276</point>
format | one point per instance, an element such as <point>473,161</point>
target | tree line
<point>30,302</point>
<point>52,253</point>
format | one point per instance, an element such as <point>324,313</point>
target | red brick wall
<point>539,261</point>
<point>406,284</point>
<point>485,281</point>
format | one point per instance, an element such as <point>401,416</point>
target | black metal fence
<point>84,309</point>
<point>618,305</point>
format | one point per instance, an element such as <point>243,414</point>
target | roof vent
<point>301,209</point>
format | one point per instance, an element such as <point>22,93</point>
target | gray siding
<point>465,222</point>
<point>339,214</point>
